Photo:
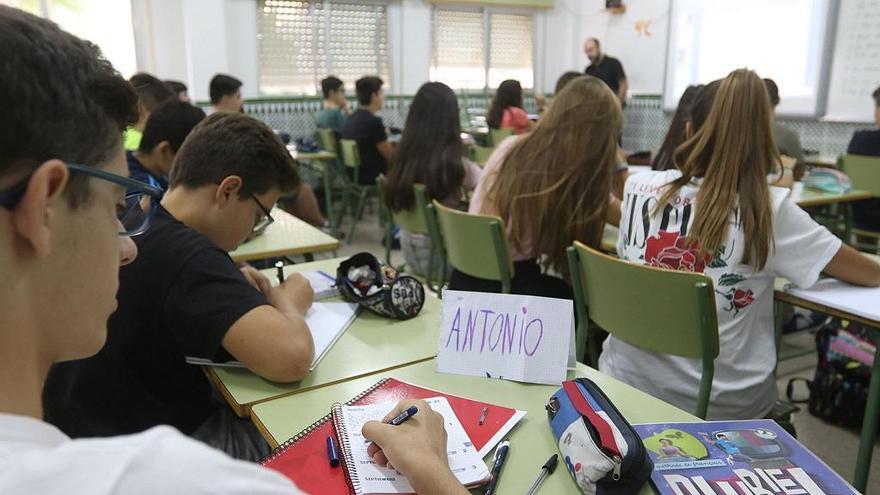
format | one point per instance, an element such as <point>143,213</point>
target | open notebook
<point>367,477</point>
<point>327,322</point>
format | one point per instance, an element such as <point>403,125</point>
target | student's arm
<point>786,179</point>
<point>622,89</point>
<point>612,215</point>
<point>273,340</point>
<point>851,266</point>
<point>385,150</point>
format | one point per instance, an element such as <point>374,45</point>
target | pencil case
<point>379,288</point>
<point>599,447</point>
<point>827,180</point>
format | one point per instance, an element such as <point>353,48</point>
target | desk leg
<point>328,190</point>
<point>869,427</point>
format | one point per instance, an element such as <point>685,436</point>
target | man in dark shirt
<point>365,127</point>
<point>606,68</point>
<point>866,213</point>
<point>184,296</point>
<point>164,133</point>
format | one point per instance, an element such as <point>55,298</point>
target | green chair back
<point>682,321</point>
<point>482,154</point>
<point>475,244</point>
<point>327,140</point>
<point>498,135</point>
<point>351,156</point>
<point>864,172</point>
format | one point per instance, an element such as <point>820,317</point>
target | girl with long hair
<point>551,187</point>
<point>676,134</point>
<point>430,153</point>
<point>717,214</point>
<point>506,110</point>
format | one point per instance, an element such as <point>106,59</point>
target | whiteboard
<point>780,39</point>
<point>855,70</point>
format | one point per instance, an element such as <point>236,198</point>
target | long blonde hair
<point>733,152</point>
<point>553,185</point>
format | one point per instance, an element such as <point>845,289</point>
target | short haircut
<point>172,122</point>
<point>330,84</point>
<point>876,96</point>
<point>772,91</point>
<point>565,79</point>
<point>61,99</point>
<point>596,41</point>
<point>150,90</point>
<point>176,86</point>
<point>366,87</point>
<point>226,144</point>
<point>223,85</point>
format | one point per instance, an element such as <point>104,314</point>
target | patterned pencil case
<point>378,287</point>
<point>599,447</point>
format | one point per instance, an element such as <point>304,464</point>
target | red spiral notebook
<point>303,458</point>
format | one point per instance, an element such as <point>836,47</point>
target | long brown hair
<point>733,151</point>
<point>553,185</point>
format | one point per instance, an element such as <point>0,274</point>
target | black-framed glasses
<point>139,208</point>
<point>264,221</point>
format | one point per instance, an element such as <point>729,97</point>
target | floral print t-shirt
<point>743,386</point>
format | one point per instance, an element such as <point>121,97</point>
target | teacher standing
<point>606,68</point>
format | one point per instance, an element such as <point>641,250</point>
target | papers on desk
<point>327,322</point>
<point>860,301</point>
<point>323,284</point>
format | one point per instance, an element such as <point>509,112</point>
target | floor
<point>835,445</point>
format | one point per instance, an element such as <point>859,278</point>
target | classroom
<point>440,247</point>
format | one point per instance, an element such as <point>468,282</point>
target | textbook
<point>303,458</point>
<point>327,322</point>
<point>733,458</point>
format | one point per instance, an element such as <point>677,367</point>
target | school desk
<point>287,236</point>
<point>811,197</point>
<point>531,441</point>
<point>872,407</point>
<point>821,160</point>
<point>371,344</point>
<point>323,162</point>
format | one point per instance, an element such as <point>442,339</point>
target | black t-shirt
<point>866,213</point>
<point>865,142</point>
<point>368,130</point>
<point>609,70</point>
<point>178,298</point>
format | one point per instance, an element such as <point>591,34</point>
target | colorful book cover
<point>754,457</point>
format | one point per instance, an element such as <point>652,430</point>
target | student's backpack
<point>827,180</point>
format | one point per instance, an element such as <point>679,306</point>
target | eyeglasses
<point>264,221</point>
<point>141,200</point>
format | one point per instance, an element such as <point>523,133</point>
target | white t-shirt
<point>36,457</point>
<point>743,386</point>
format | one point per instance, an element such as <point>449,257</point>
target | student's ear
<point>38,208</point>
<point>228,190</point>
<point>688,130</point>
<point>166,155</point>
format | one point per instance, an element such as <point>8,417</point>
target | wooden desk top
<point>288,236</point>
<point>810,197</point>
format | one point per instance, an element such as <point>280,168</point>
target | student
<point>690,218</point>
<point>866,213</point>
<point>52,214</point>
<point>506,110</point>
<point>551,195</point>
<point>430,153</point>
<point>225,92</point>
<point>787,141</point>
<point>676,134</point>
<point>164,133</point>
<point>564,79</point>
<point>184,297</point>
<point>151,93</point>
<point>335,105</point>
<point>179,89</point>
<point>365,127</point>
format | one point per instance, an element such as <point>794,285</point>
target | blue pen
<point>327,275</point>
<point>331,452</point>
<point>400,418</point>
<point>500,457</point>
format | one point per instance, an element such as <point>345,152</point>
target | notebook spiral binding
<point>345,447</point>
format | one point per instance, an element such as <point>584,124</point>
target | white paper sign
<point>523,338</point>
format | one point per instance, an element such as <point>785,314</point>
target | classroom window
<point>301,42</point>
<point>106,24</point>
<point>480,47</point>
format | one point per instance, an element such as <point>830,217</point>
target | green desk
<point>810,197</point>
<point>531,440</point>
<point>322,161</point>
<point>288,236</point>
<point>370,345</point>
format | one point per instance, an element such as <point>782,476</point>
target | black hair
<point>150,90</point>
<point>171,122</point>
<point>61,99</point>
<point>772,91</point>
<point>699,112</point>
<point>366,87</point>
<point>565,79</point>
<point>223,85</point>
<point>509,94</point>
<point>176,86</point>
<point>675,135</point>
<point>330,84</point>
<point>430,150</point>
<point>227,143</point>
<point>876,96</point>
<point>596,41</point>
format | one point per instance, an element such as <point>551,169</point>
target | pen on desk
<point>500,457</point>
<point>483,415</point>
<point>400,418</point>
<point>326,275</point>
<point>279,268</point>
<point>331,452</point>
<point>546,470</point>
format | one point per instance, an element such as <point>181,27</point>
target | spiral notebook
<point>303,458</point>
